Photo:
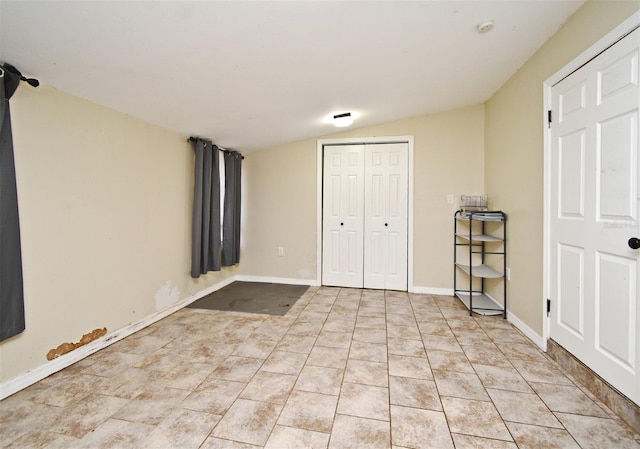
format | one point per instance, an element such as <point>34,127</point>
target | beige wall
<point>514,150</point>
<point>105,219</point>
<point>280,196</point>
<point>105,201</point>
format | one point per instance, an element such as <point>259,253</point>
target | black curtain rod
<point>6,66</point>
<point>224,150</point>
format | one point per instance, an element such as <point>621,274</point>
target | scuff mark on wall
<point>166,296</point>
<point>68,347</point>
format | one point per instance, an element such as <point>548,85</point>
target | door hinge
<point>549,117</point>
<point>548,307</point>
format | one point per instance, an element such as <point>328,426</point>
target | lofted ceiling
<point>251,74</point>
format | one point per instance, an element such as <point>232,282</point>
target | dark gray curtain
<point>231,219</point>
<point>206,247</point>
<point>11,291</point>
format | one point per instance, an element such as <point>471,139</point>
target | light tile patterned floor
<point>345,368</point>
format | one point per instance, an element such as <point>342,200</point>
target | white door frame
<point>319,163</point>
<point>605,42</point>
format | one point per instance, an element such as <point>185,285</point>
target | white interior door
<point>365,216</point>
<point>594,193</point>
<point>385,233</point>
<point>343,216</point>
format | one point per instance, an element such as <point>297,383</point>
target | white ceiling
<point>254,74</point>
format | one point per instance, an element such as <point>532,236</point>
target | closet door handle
<point>386,224</point>
<point>634,243</point>
<point>341,224</point>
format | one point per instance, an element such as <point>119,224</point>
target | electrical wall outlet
<point>280,251</point>
<point>450,198</point>
<point>508,274</point>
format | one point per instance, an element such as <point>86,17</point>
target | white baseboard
<point>432,291</point>
<point>272,280</point>
<point>526,330</point>
<point>30,377</point>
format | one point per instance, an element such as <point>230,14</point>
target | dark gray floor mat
<point>252,297</point>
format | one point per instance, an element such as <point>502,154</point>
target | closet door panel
<point>343,216</point>
<point>385,216</point>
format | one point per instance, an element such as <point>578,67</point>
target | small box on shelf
<point>473,202</point>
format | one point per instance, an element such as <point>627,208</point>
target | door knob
<point>341,224</point>
<point>386,224</point>
<point>634,243</point>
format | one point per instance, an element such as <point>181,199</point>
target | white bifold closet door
<point>365,192</point>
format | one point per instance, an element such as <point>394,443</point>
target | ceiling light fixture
<point>342,120</point>
<point>485,27</point>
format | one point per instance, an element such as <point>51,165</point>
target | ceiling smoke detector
<point>485,27</point>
